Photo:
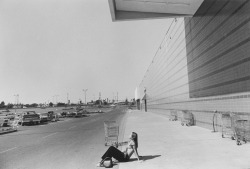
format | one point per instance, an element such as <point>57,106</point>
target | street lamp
<point>145,99</point>
<point>85,90</point>
<point>16,101</point>
<point>55,98</point>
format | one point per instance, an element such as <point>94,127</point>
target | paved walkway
<point>167,144</point>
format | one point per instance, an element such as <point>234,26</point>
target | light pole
<point>145,92</point>
<point>16,101</point>
<point>67,98</point>
<point>55,96</point>
<point>85,90</point>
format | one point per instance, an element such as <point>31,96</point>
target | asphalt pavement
<point>71,143</point>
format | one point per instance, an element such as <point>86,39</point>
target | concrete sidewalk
<point>167,144</point>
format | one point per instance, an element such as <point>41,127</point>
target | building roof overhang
<point>152,9</point>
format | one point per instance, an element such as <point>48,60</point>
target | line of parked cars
<point>31,117</point>
<point>76,114</point>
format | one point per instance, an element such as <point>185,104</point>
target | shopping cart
<point>227,127</point>
<point>14,124</point>
<point>111,129</point>
<point>241,128</point>
<point>173,115</point>
<point>187,118</point>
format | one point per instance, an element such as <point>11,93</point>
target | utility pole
<point>85,90</point>
<point>67,98</point>
<point>56,99</point>
<point>55,96</point>
<point>117,97</point>
<point>100,98</point>
<point>145,92</point>
<point>53,100</point>
<point>16,101</point>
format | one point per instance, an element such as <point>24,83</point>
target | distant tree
<point>27,105</point>
<point>34,105</point>
<point>2,104</point>
<point>105,102</point>
<point>61,104</point>
<point>51,104</point>
<point>10,106</point>
<point>126,102</point>
<point>98,102</point>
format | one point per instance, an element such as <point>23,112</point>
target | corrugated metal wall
<point>203,63</point>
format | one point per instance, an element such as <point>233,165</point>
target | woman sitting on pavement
<point>113,152</point>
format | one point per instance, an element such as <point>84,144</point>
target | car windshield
<point>30,113</point>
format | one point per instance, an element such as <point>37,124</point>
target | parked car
<point>4,122</point>
<point>44,118</point>
<point>79,114</point>
<point>29,117</point>
<point>59,115</point>
<point>10,116</point>
<point>52,116</point>
<point>71,114</point>
<point>64,114</point>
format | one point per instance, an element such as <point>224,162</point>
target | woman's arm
<point>136,153</point>
<point>123,143</point>
<point>116,144</point>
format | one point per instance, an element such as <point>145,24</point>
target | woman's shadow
<point>145,158</point>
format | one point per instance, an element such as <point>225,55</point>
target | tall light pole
<point>16,100</point>
<point>67,99</point>
<point>85,90</point>
<point>145,94</point>
<point>55,96</point>
<point>53,99</point>
<point>117,97</point>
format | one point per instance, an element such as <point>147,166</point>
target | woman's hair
<point>135,139</point>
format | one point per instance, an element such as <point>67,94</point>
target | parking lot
<point>10,121</point>
<point>68,143</point>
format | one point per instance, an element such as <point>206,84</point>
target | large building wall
<point>218,49</point>
<point>203,63</point>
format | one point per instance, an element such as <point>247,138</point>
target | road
<point>72,143</point>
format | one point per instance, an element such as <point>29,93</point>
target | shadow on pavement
<point>145,158</point>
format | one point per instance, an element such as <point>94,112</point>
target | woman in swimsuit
<point>113,152</point>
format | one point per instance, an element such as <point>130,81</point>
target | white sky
<point>55,47</point>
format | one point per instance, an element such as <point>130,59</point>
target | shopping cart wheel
<point>232,138</point>
<point>238,143</point>
<point>105,144</point>
<point>222,136</point>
